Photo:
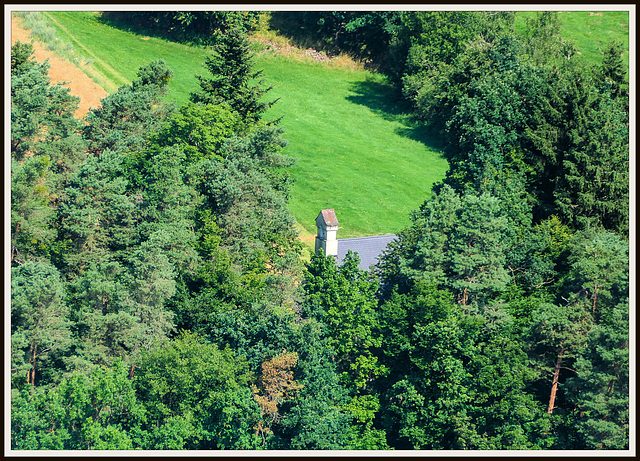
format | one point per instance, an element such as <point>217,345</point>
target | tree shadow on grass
<point>289,24</point>
<point>386,101</point>
<point>120,20</point>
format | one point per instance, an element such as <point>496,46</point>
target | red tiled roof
<point>329,217</point>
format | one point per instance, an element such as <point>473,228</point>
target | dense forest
<point>161,300</point>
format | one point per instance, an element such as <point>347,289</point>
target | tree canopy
<point>161,298</point>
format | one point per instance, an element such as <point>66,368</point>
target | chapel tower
<point>327,237</point>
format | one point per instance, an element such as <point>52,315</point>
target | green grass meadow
<point>590,31</point>
<point>356,149</point>
<point>114,56</point>
<point>356,152</point>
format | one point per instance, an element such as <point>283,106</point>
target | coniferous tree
<point>456,242</point>
<point>477,250</point>
<point>556,337</point>
<point>594,187</point>
<point>600,392</point>
<point>31,215</point>
<point>40,326</point>
<point>232,78</point>
<point>614,73</point>
<point>600,270</point>
<point>41,113</point>
<point>45,148</point>
<point>502,314</point>
<point>98,215</point>
<point>125,117</point>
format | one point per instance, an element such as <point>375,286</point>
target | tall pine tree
<point>233,79</point>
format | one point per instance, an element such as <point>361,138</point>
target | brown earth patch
<point>61,70</point>
<point>283,47</point>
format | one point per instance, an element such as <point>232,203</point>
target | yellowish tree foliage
<point>276,386</point>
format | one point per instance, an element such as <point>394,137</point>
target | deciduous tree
<point>202,392</point>
<point>343,300</point>
<point>98,411</point>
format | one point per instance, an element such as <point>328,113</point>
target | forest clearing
<point>163,296</point>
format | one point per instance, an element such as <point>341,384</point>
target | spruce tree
<point>613,70</point>
<point>232,79</point>
<point>593,189</point>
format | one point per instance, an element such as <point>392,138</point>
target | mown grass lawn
<point>356,151</point>
<point>115,55</point>
<point>590,31</point>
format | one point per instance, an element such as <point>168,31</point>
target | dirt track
<point>80,84</point>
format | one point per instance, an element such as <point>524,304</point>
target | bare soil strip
<point>62,70</point>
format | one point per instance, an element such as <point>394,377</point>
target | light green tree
<point>197,396</point>
<point>600,265</point>
<point>343,300</point>
<point>95,411</point>
<point>40,327</point>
